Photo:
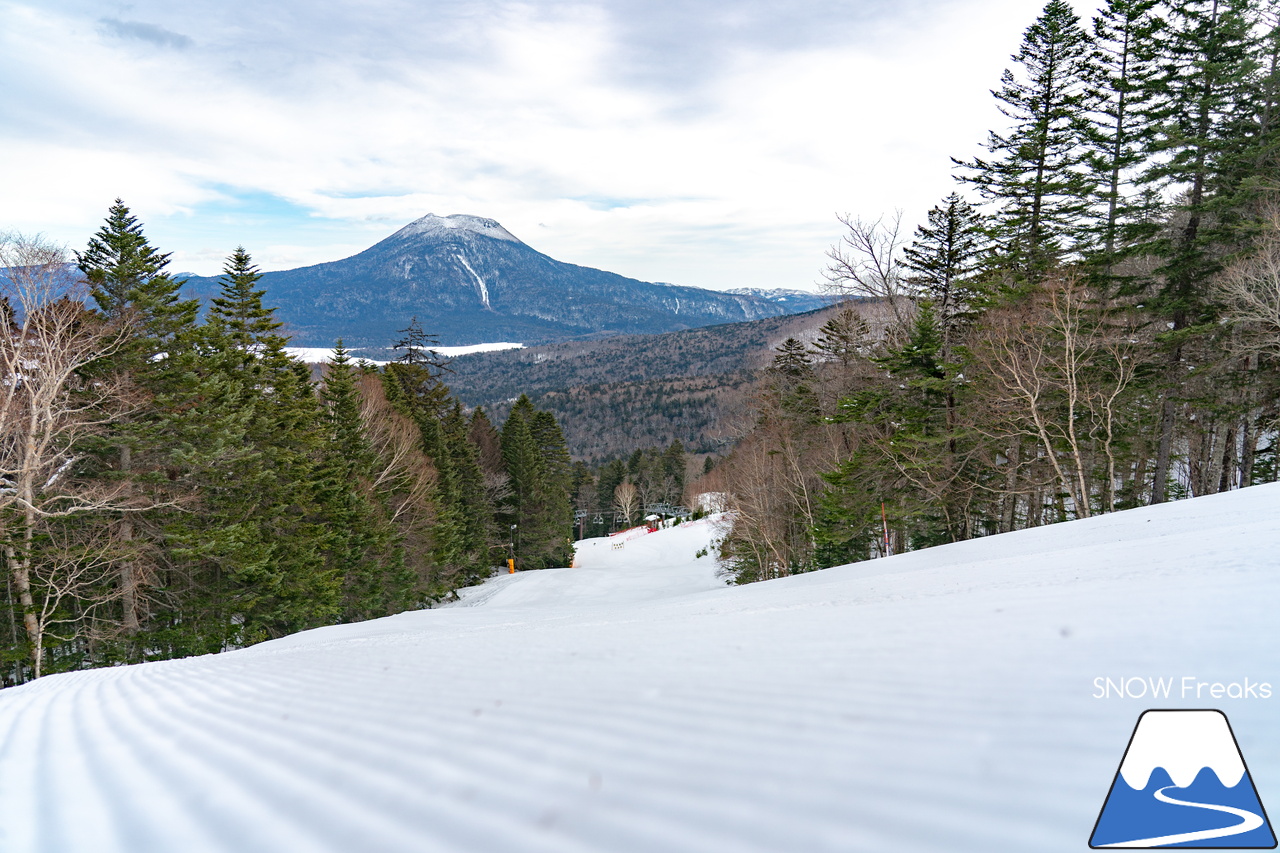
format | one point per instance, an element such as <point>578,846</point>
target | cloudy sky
<point>699,142</point>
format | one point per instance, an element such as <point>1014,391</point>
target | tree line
<point>621,492</point>
<point>1090,322</point>
<point>172,484</point>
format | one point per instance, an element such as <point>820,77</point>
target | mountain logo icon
<point>1183,783</point>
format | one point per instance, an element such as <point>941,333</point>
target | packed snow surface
<point>942,700</point>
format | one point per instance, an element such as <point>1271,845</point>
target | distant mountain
<point>795,301</point>
<point>469,280</point>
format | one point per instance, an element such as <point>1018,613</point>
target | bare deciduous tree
<point>867,262</point>
<point>402,471</point>
<point>1057,374</point>
<point>49,408</point>
<point>1250,293</point>
<point>626,499</point>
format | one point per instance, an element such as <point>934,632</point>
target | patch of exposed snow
<point>484,290</point>
<point>323,355</point>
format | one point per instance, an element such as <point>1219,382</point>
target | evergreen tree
<point>1207,66</point>
<point>555,487</point>
<point>1034,176</point>
<point>129,283</point>
<point>612,474</point>
<point>417,349</point>
<point>240,304</point>
<point>520,456</point>
<point>673,466</point>
<point>1121,72</point>
<point>540,506</point>
<point>127,277</point>
<point>844,338</point>
<point>792,379</point>
<point>943,258</point>
<point>469,496</point>
<point>365,549</point>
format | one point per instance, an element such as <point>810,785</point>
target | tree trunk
<point>1226,478</point>
<point>1160,475</point>
<point>129,621</point>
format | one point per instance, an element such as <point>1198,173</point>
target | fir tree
<point>943,258</point>
<point>844,338</point>
<point>540,505</point>
<point>365,550</point>
<point>127,276</point>
<point>129,283</point>
<point>1121,71</point>
<point>1207,65</point>
<point>240,304</point>
<point>792,379</point>
<point>1034,175</point>
<point>555,488</point>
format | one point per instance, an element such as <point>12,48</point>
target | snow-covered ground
<point>321,355</point>
<point>941,700</point>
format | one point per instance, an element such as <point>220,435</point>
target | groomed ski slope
<point>936,701</point>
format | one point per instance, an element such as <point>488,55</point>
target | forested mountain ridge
<point>469,280</point>
<point>616,395</point>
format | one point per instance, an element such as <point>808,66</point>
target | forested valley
<point>1090,322</point>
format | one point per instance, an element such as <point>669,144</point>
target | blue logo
<point>1183,783</point>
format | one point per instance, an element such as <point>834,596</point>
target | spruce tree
<point>365,549</point>
<point>541,499</point>
<point>555,490</point>
<point>1122,67</point>
<point>612,475</point>
<point>791,380</point>
<point>1034,177</point>
<point>1208,53</point>
<point>523,464</point>
<point>130,285</point>
<point>240,305</point>
<point>472,503</point>
<point>844,338</point>
<point>127,276</point>
<point>943,258</point>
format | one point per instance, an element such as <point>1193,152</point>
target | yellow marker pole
<point>511,566</point>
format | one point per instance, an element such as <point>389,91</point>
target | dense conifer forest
<point>1090,321</point>
<point>175,486</point>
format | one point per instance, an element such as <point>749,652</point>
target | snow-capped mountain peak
<point>432,225</point>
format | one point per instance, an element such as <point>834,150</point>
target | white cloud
<point>691,144</point>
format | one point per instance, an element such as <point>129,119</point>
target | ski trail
<point>484,290</point>
<point>636,704</point>
<point>1249,821</point>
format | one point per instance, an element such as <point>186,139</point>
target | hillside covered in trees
<point>618,395</point>
<point>1090,321</point>
<point>171,486</point>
